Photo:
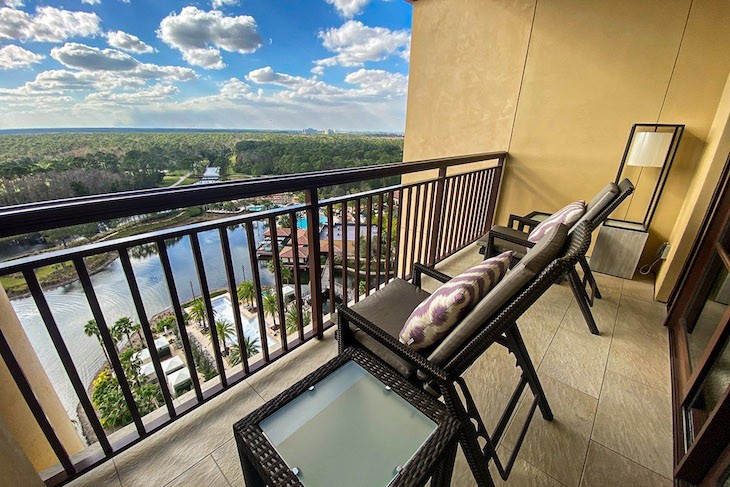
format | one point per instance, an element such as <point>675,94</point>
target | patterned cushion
<point>434,317</point>
<point>567,215</point>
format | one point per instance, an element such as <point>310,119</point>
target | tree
<point>291,319</point>
<point>285,221</point>
<point>286,272</point>
<point>92,329</point>
<point>199,314</point>
<point>246,292</point>
<point>271,305</point>
<point>125,326</point>
<point>225,331</point>
<point>252,346</point>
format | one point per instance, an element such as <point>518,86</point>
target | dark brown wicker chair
<point>375,322</point>
<point>514,237</point>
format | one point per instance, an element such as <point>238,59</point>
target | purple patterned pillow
<point>434,317</point>
<point>567,215</point>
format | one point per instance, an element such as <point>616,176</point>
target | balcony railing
<point>395,226</point>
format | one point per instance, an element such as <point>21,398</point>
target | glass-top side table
<point>353,422</point>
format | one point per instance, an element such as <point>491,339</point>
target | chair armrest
<point>526,224</point>
<point>345,315</point>
<point>493,234</point>
<point>419,269</point>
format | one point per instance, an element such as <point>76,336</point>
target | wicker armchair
<point>375,321</point>
<point>514,237</point>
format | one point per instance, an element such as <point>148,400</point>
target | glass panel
<point>713,388</point>
<point>341,431</point>
<point>716,303</point>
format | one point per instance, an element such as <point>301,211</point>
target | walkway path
<point>179,181</point>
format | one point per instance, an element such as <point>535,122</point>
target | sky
<point>255,64</point>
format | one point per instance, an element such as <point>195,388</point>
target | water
<point>224,310</point>
<point>71,311</point>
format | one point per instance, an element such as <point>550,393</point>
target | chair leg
<point>475,457</point>
<point>580,297</point>
<point>517,346</point>
<point>588,277</point>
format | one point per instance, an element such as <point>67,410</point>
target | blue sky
<point>266,64</point>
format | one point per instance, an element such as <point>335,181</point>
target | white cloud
<point>377,81</point>
<point>200,35</point>
<point>317,70</point>
<point>153,94</point>
<point>49,24</point>
<point>91,2</point>
<point>12,3</point>
<point>222,3</point>
<point>81,56</point>
<point>349,8</point>
<point>13,57</point>
<point>355,43</point>
<point>127,42</point>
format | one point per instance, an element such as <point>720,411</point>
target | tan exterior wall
<point>558,84</point>
<point>15,467</point>
<point>700,191</point>
<point>14,411</point>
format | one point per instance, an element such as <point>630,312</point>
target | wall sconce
<point>650,146</point>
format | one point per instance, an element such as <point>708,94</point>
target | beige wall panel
<point>593,69</point>
<point>693,96</point>
<point>689,218</point>
<point>13,409</point>
<point>467,58</point>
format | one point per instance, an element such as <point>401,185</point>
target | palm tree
<point>125,326</point>
<point>271,305</point>
<point>285,271</point>
<point>252,346</point>
<point>198,313</point>
<point>291,320</point>
<point>224,329</point>
<point>246,292</point>
<point>92,329</point>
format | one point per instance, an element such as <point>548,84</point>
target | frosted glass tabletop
<point>348,429</point>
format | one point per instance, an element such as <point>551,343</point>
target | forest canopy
<point>36,167</point>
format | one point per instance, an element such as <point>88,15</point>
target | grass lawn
<point>15,282</point>
<point>168,181</point>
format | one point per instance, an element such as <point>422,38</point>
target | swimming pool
<point>224,311</point>
<point>302,222</point>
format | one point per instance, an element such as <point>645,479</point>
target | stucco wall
<point>558,84</point>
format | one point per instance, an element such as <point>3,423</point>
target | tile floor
<point>610,395</point>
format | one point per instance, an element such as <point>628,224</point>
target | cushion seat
<point>389,308</point>
<point>503,245</point>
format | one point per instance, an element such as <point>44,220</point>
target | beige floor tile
<point>291,368</point>
<point>226,456</point>
<point>644,316</point>
<point>604,314</point>
<point>635,421</point>
<point>610,288</point>
<point>605,467</point>
<point>105,475</point>
<point>640,287</point>
<point>489,401</point>
<point>578,359</point>
<point>165,454</point>
<point>538,326</point>
<point>523,474</point>
<point>641,357</point>
<point>205,473</point>
<point>496,368</point>
<point>556,447</point>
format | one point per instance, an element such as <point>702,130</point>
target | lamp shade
<point>650,149</point>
